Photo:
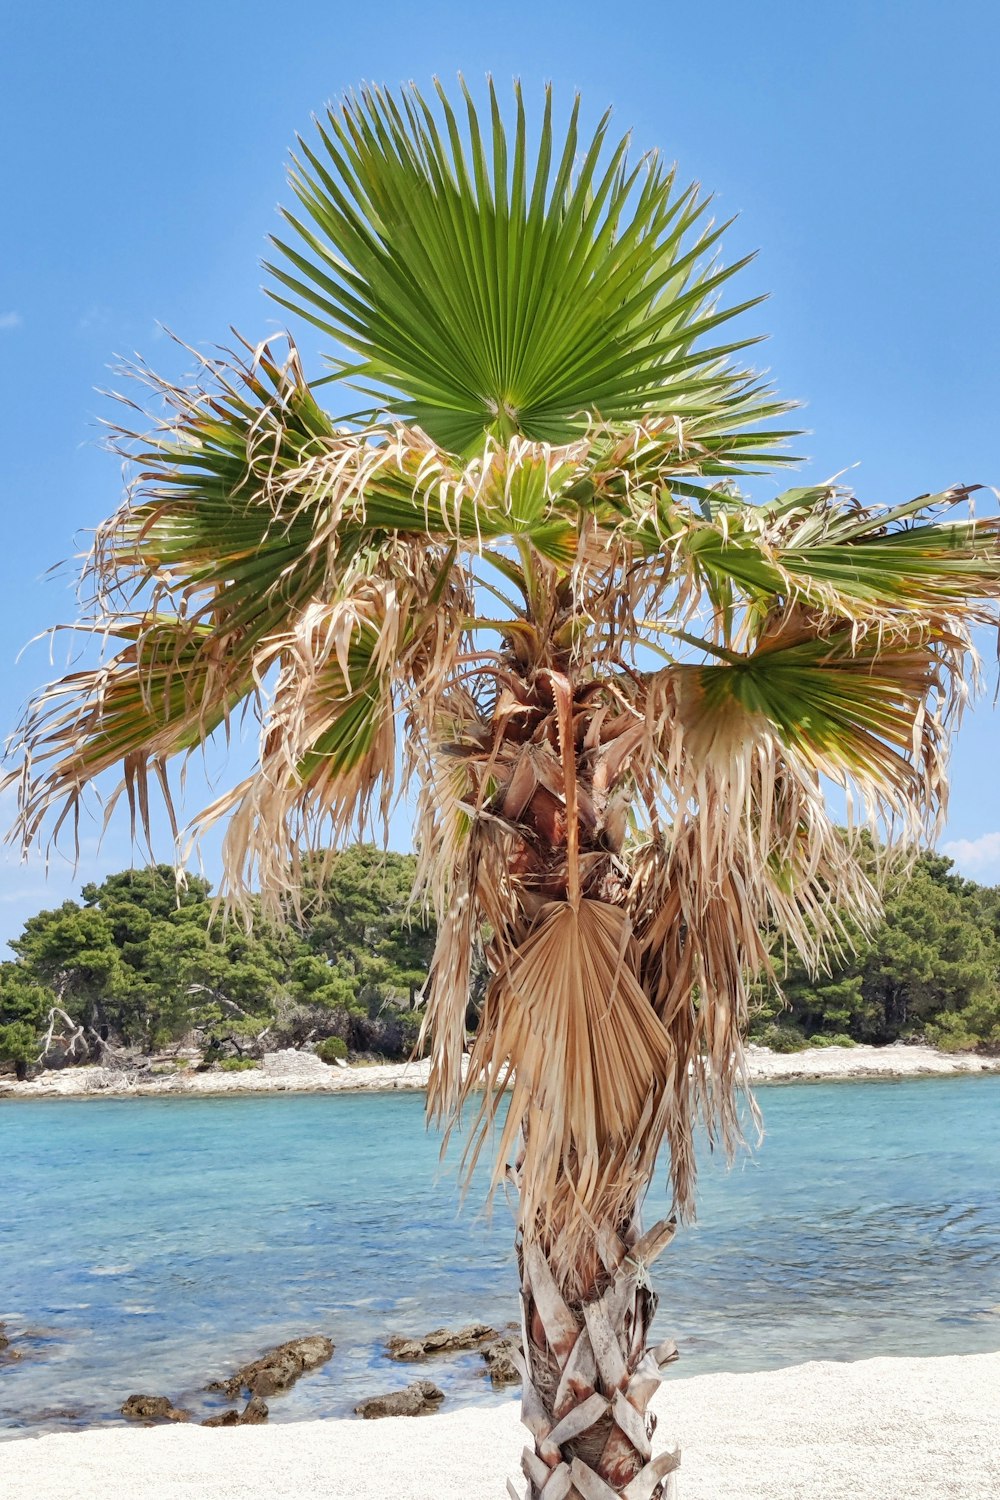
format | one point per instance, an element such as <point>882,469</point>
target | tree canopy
<point>930,969</point>
<point>142,957</point>
<point>139,960</point>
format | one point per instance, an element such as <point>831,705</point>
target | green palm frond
<point>160,696</point>
<point>856,711</point>
<point>817,550</point>
<point>484,288</point>
<point>200,526</point>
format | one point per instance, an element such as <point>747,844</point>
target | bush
<point>837,1039</point>
<point>952,1034</point>
<point>783,1038</point>
<point>18,1043</point>
<point>238,1064</point>
<point>333,1049</point>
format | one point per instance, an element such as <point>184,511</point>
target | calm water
<point>146,1244</point>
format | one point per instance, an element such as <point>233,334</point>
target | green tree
<point>71,950</point>
<point>222,980</point>
<point>142,961</point>
<point>527,577</point>
<point>357,920</point>
<point>23,1008</point>
<point>931,968</point>
<point>134,899</point>
<point>146,1001</point>
<point>931,954</point>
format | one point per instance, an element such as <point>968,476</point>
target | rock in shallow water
<point>279,1368</point>
<point>153,1409</point>
<point>499,1350</point>
<point>254,1412</point>
<point>46,1414</point>
<point>252,1415</point>
<point>223,1419</point>
<point>439,1341</point>
<point>501,1361</point>
<point>417,1400</point>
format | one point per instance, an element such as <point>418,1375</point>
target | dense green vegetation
<point>139,962</point>
<point>932,970</point>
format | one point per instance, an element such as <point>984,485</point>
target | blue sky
<point>145,150</point>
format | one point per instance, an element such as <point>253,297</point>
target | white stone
<point>292,1064</point>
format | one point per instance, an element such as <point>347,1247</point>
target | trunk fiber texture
<point>589,1377</point>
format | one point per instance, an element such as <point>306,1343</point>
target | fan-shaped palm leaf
<point>484,291</point>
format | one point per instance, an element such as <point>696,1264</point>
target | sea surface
<point>147,1245</point>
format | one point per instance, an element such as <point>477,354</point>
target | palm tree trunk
<point>589,1376</point>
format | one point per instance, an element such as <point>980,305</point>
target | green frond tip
<point>483,285</point>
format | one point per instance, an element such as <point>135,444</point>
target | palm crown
<point>619,683</point>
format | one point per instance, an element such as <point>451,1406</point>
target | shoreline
<point>819,1431</point>
<point>302,1072</point>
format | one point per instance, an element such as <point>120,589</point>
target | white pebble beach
<point>881,1429</point>
<point>302,1072</point>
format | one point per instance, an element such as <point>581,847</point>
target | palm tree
<point>525,582</point>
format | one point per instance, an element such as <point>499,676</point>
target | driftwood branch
<point>230,1005</point>
<point>77,1032</point>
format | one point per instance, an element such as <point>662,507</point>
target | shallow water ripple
<point>149,1244</point>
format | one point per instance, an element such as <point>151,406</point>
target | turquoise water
<point>147,1244</point>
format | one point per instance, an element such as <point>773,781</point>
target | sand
<point>882,1429</point>
<point>302,1072</point>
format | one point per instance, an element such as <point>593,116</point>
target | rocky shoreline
<point>240,1398</point>
<point>303,1072</point>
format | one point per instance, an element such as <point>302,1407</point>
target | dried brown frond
<point>591,1061</point>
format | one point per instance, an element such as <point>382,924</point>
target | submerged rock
<point>279,1368</point>
<point>153,1409</point>
<point>439,1341</point>
<point>501,1361</point>
<point>31,1343</point>
<point>417,1400</point>
<point>252,1415</point>
<point>54,1414</point>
